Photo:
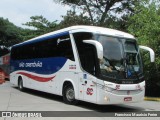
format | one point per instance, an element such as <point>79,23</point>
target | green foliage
<point>72,19</point>
<point>9,33</point>
<point>145,25</point>
<point>39,25</point>
<point>99,10</point>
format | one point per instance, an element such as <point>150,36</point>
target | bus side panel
<point>68,73</point>
<point>52,83</point>
<point>14,79</point>
<point>50,87</point>
<point>40,74</point>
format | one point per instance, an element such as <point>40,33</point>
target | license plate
<point>128,99</point>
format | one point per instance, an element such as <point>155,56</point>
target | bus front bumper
<point>119,97</point>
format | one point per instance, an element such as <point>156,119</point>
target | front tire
<point>20,84</point>
<point>69,95</point>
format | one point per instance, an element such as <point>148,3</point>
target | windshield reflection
<point>112,48</point>
<point>121,58</point>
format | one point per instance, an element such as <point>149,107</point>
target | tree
<point>99,10</point>
<point>41,25</point>
<point>9,33</point>
<point>72,19</point>
<point>145,25</point>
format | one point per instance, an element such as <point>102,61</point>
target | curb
<point>152,99</point>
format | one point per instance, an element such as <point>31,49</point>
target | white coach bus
<point>93,64</point>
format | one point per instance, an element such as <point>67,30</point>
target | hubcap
<point>70,94</point>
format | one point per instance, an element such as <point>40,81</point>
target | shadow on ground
<point>86,105</point>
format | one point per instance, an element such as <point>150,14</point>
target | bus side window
<point>45,49</point>
<point>65,49</point>
<point>87,52</point>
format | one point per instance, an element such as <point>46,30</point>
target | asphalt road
<point>11,99</point>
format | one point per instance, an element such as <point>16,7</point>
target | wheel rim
<point>70,94</point>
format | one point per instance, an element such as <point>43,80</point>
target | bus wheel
<point>69,95</point>
<point>20,84</point>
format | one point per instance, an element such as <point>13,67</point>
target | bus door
<point>87,87</point>
<point>86,78</point>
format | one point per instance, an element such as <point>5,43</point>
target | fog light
<point>106,98</point>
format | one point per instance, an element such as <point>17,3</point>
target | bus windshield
<point>121,58</point>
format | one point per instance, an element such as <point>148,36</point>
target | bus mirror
<point>98,46</point>
<point>151,52</point>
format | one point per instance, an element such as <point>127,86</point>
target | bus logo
<point>117,87</point>
<point>89,91</point>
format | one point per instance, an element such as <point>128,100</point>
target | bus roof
<point>79,28</point>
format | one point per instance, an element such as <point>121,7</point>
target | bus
<point>81,63</point>
<point>4,63</point>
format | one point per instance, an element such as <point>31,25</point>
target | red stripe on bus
<point>37,78</point>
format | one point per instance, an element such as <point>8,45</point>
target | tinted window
<point>87,52</point>
<point>55,47</point>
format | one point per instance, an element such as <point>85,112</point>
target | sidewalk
<point>152,99</point>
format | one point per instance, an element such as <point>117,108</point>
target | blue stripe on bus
<point>44,66</point>
<point>42,39</point>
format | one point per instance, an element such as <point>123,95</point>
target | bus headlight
<point>106,98</point>
<point>104,87</point>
